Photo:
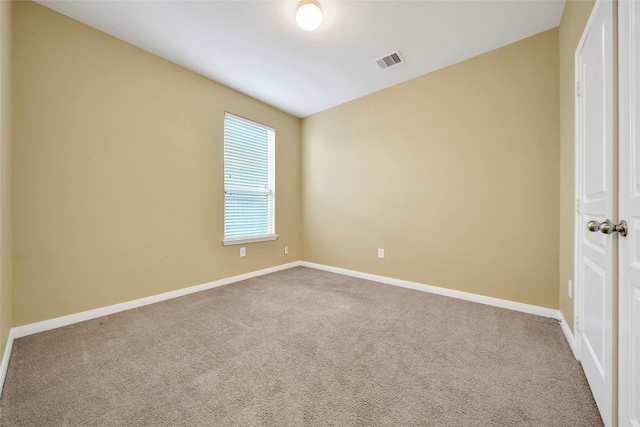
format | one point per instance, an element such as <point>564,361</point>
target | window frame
<point>270,191</point>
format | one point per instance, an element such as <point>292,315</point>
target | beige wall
<point>118,182</point>
<point>574,18</point>
<point>118,174</point>
<point>6,261</point>
<point>455,174</point>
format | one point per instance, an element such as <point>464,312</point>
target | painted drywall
<point>6,242</point>
<point>118,172</point>
<point>455,174</point>
<point>574,19</point>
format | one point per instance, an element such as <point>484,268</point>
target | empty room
<point>319,213</point>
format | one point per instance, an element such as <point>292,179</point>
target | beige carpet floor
<point>300,347</point>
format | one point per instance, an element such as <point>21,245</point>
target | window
<point>249,181</point>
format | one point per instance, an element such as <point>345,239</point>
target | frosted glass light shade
<point>309,15</point>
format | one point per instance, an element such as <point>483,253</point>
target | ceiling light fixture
<point>309,15</point>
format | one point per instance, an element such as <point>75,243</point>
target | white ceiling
<point>256,48</point>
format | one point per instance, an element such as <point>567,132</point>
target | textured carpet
<point>300,347</point>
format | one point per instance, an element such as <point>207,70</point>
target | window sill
<point>249,239</point>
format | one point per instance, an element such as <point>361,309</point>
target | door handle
<point>607,227</point>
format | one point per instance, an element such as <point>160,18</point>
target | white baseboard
<point>58,322</point>
<point>495,302</point>
<point>568,335</point>
<point>34,328</point>
<point>4,365</point>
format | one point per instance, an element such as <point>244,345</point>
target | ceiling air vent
<point>390,60</point>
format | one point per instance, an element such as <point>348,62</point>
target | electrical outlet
<point>286,250</point>
<point>243,251</point>
<point>570,289</point>
<point>380,253</point>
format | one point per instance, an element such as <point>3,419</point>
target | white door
<point>629,207</point>
<point>595,187</point>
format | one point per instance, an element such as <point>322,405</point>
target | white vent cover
<point>394,58</point>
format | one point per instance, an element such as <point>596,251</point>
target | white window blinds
<point>249,181</point>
